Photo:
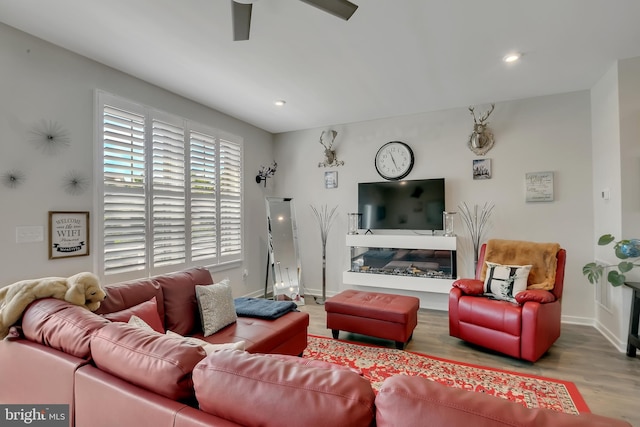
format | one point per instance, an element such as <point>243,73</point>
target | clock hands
<point>393,160</point>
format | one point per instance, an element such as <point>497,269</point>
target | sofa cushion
<point>286,334</point>
<point>61,325</point>
<point>216,306</point>
<point>123,295</point>
<point>149,360</point>
<point>146,311</point>
<point>283,391</point>
<point>180,306</point>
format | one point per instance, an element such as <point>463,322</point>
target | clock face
<point>394,160</point>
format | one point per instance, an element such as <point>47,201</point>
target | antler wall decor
<point>330,158</point>
<point>481,139</point>
<point>266,172</point>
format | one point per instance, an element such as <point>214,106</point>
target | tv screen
<point>402,205</point>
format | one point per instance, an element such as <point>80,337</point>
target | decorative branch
<point>325,219</point>
<point>476,220</point>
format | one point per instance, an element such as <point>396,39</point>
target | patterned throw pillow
<point>208,347</point>
<point>216,306</point>
<point>139,323</point>
<point>505,281</point>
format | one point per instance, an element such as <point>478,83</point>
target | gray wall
<point>551,133</point>
<point>43,82</point>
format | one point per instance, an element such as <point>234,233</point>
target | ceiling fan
<point>242,13</point>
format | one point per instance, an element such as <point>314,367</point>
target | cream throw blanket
<point>542,256</point>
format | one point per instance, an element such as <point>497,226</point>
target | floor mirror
<point>284,259</point>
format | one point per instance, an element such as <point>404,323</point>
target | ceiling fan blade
<point>241,14</point>
<point>340,8</point>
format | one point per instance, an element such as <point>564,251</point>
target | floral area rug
<point>378,363</point>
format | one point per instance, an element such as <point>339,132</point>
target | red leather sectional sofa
<point>114,374</point>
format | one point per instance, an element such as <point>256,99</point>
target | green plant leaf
<point>605,239</point>
<point>615,278</point>
<point>625,266</point>
<point>593,272</point>
<point>619,253</point>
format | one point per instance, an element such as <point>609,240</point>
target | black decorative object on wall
<point>13,179</point>
<point>75,183</point>
<point>50,136</point>
<point>266,172</point>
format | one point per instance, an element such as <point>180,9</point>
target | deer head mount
<point>266,172</point>
<point>481,139</point>
<point>330,158</point>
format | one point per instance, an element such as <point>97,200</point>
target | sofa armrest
<point>470,286</point>
<point>404,400</point>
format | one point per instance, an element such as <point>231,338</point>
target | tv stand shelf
<point>412,262</point>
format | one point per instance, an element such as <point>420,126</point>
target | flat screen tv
<point>402,205</point>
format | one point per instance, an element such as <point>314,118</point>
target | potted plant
<point>627,251</point>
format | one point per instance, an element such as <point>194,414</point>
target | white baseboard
<point>621,346</point>
<point>575,320</point>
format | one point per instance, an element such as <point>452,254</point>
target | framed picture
<point>331,179</point>
<point>68,234</point>
<point>482,169</point>
<point>539,186</point>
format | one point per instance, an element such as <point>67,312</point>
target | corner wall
<point>615,102</point>
<point>551,133</point>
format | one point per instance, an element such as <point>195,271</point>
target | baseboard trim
<point>575,320</point>
<point>621,346</point>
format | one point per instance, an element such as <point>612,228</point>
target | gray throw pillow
<point>217,309</point>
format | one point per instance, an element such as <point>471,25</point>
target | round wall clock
<point>394,160</point>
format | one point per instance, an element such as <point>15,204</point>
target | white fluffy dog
<point>82,289</point>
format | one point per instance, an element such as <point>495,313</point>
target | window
<point>170,192</point>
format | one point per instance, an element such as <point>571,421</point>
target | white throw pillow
<point>217,309</point>
<point>139,323</point>
<point>208,347</point>
<point>505,281</point>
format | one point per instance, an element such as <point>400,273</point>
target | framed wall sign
<point>331,179</point>
<point>539,186</point>
<point>68,234</point>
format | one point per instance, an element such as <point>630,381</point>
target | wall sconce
<point>481,139</point>
<point>266,172</point>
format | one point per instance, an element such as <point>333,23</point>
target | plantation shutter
<point>168,202</point>
<point>203,196</point>
<point>124,211</point>
<point>171,192</point>
<point>230,198</point>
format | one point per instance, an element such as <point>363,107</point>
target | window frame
<point>151,114</point>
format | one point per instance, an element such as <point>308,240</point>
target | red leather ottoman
<point>380,315</point>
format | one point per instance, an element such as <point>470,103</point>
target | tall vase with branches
<point>476,220</point>
<point>325,217</point>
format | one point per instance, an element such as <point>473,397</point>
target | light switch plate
<point>29,234</point>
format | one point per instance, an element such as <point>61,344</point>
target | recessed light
<point>512,57</point>
<point>280,102</point>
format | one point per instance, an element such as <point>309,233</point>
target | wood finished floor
<point>608,380</point>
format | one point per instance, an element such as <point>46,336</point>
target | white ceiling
<point>391,58</point>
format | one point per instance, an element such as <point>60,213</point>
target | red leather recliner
<point>525,330</point>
